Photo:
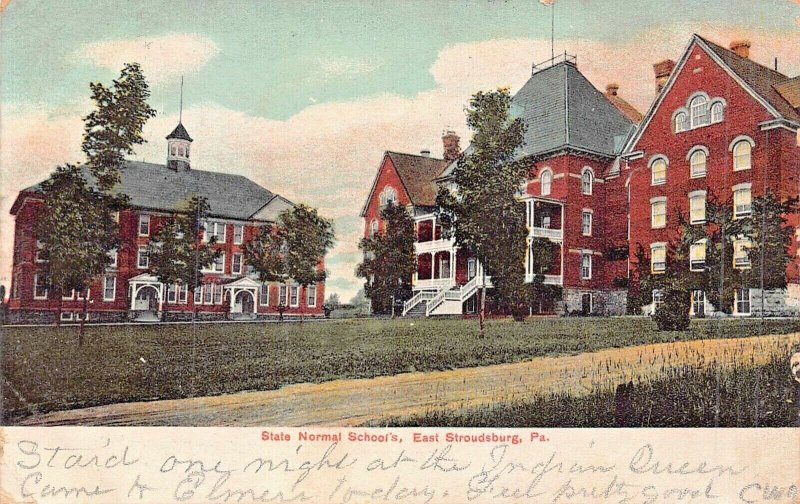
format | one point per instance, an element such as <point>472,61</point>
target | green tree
<point>771,237</point>
<point>539,293</point>
<point>178,251</point>
<point>77,230</point>
<point>114,128</point>
<point>482,211</point>
<point>389,260</point>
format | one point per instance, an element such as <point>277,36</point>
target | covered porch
<point>146,293</point>
<point>545,218</point>
<point>242,296</point>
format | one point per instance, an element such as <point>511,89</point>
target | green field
<point>44,369</point>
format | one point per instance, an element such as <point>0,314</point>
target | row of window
<point>546,181</point>
<point>41,288</point>
<point>697,255</point>
<point>741,306</point>
<point>179,151</point>
<point>742,206</point>
<point>212,228</point>
<point>699,111</point>
<point>741,147</point>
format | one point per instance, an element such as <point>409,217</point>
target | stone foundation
<point>604,302</point>
<point>45,317</point>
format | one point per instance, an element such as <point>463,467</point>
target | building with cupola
<point>128,291</point>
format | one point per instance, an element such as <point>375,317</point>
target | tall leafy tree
<point>77,230</point>
<point>389,260</point>
<point>114,128</point>
<point>178,250</point>
<point>482,211</point>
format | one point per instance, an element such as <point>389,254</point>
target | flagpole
<point>552,31</point>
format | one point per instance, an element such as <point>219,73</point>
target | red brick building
<point>128,291</point>
<point>721,125</point>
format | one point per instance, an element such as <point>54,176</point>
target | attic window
<point>698,108</point>
<point>388,195</point>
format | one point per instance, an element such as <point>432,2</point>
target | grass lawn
<point>43,368</point>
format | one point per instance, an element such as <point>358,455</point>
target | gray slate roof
<point>562,109</point>
<point>180,132</point>
<point>156,187</point>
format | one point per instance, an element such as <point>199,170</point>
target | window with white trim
<point>283,295</point>
<point>236,264</point>
<point>586,181</point>
<point>697,163</point>
<point>263,294</point>
<point>142,258</point>
<point>586,223</point>
<point>388,195</point>
<point>717,112</point>
<point>66,316</point>
<point>742,201</point>
<point>311,296</point>
<point>218,266</point>
<point>112,258</point>
<point>198,294</point>
<point>681,122</point>
<point>217,294</point>
<point>742,154</point>
<point>144,225</point>
<point>741,253</point>
<point>208,293</point>
<point>658,213</point>
<point>698,108</point>
<point>658,257</point>
<point>215,230</point>
<point>658,170</point>
<point>183,293</point>
<point>109,288</point>
<point>586,266</point>
<point>545,182</point>
<point>40,286</point>
<point>658,298</point>
<point>697,256</point>
<point>238,234</point>
<point>742,304</point>
<point>172,293</point>
<point>698,302</point>
<point>294,296</point>
<point>697,207</point>
<point>41,253</point>
<point>373,228</point>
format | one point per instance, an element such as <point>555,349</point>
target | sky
<point>304,97</point>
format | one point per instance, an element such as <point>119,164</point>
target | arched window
<point>698,108</point>
<point>173,150</point>
<point>388,195</point>
<point>586,181</point>
<point>180,151</point>
<point>546,180</point>
<point>373,228</point>
<point>681,122</point>
<point>742,152</point>
<point>717,113</point>
<point>658,169</point>
<point>698,163</point>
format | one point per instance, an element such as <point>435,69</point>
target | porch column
<point>160,297</point>
<point>452,265</point>
<point>133,294</point>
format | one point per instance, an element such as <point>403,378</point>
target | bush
<point>673,313</point>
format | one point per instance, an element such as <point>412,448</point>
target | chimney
<point>612,89</point>
<point>425,153</point>
<point>741,47</point>
<point>663,69</point>
<point>451,148</point>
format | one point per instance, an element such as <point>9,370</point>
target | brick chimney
<point>451,148</point>
<point>663,69</point>
<point>612,89</point>
<point>741,47</point>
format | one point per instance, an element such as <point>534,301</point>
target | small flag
<point>547,2</point>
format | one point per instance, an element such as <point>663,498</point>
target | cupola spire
<point>178,143</point>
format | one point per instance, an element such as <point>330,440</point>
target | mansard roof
<point>156,187</point>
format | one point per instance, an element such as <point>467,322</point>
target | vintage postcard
<point>426,251</point>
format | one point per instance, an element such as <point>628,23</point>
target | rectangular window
<point>658,299</point>
<point>697,256</point>
<point>144,225</point>
<point>743,301</point>
<point>236,264</point>
<point>586,266</point>
<point>294,298</point>
<point>39,286</point>
<point>697,209</point>
<point>741,253</point>
<point>198,294</point>
<point>238,234</point>
<point>742,202</point>
<point>112,258</point>
<point>698,303</point>
<point>658,214</point>
<point>41,254</point>
<point>66,316</point>
<point>143,259</point>
<point>471,268</point>
<point>586,223</point>
<point>172,293</point>
<point>658,171</point>
<point>283,295</point>
<point>218,266</point>
<point>183,293</point>
<point>311,295</point>
<point>263,295</point>
<point>216,230</point>
<point>109,288</point>
<point>218,294</point>
<point>208,293</point>
<point>658,258</point>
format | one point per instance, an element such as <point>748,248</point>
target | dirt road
<point>353,402</point>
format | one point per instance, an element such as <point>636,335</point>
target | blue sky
<point>304,97</point>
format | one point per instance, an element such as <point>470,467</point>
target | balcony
<point>548,279</point>
<point>432,246</point>
<point>434,284</point>
<point>543,232</point>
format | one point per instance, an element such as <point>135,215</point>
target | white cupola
<point>178,144</point>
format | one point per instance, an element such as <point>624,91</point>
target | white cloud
<point>162,58</point>
<point>345,66</point>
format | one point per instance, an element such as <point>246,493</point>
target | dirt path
<point>353,402</point>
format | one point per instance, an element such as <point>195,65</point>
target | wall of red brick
<point>387,176</point>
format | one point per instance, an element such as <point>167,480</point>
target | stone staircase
<point>418,311</point>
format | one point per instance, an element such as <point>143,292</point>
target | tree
<point>482,212</point>
<point>113,129</point>
<point>771,236</point>
<point>389,260</point>
<point>292,249</point>
<point>539,293</point>
<point>77,230</point>
<point>178,252</point>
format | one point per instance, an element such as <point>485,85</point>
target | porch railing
<point>553,234</point>
<point>416,299</point>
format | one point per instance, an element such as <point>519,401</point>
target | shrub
<point>673,313</point>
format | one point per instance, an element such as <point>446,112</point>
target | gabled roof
<point>790,90</point>
<point>156,187</point>
<point>760,81</point>
<point>180,133</point>
<point>563,110</point>
<point>626,108</point>
<point>417,174</point>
